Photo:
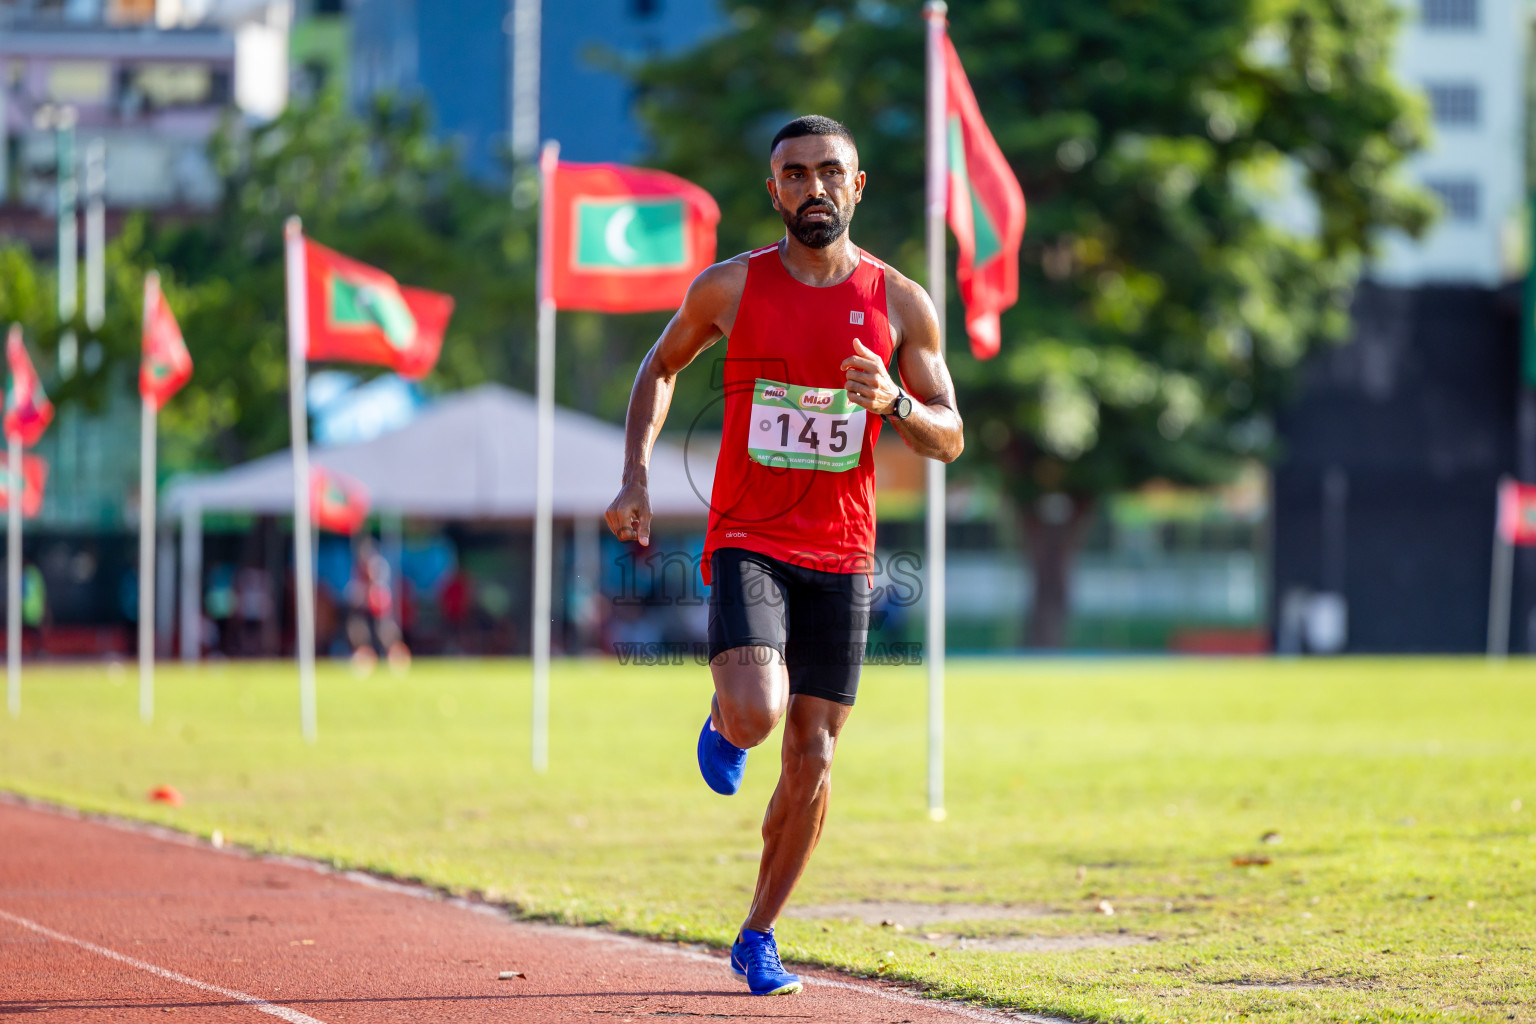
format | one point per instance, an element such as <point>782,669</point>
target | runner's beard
<point>816,234</point>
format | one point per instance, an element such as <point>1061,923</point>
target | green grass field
<point>1401,888</point>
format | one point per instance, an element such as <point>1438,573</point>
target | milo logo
<point>816,400</point>
<point>775,392</point>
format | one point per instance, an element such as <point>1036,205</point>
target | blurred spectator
<point>219,603</point>
<point>407,614</point>
<point>454,601</point>
<point>329,638</point>
<point>253,598</point>
<point>371,625</point>
<point>630,624</point>
<point>493,605</point>
<point>34,608</point>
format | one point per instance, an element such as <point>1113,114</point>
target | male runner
<point>812,323</point>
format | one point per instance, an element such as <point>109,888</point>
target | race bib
<point>804,428</point>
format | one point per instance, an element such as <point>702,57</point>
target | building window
<point>1454,104</point>
<point>1450,13</point>
<point>1459,196</point>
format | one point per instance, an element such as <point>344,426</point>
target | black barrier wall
<point>1384,483</point>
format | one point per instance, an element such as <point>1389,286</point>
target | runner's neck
<point>819,268</point>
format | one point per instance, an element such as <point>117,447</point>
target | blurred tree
<point>29,296</point>
<point>376,187</point>
<point>1204,178</point>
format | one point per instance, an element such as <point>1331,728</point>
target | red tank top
<point>785,482</point>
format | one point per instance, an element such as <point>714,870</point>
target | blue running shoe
<point>755,960</point>
<point>720,762</point>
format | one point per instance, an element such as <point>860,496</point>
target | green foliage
<point>1163,302</point>
<point>377,188</point>
<point>29,297</point>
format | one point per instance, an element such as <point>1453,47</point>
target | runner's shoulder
<point>907,302</point>
<point>901,287</point>
<point>721,283</point>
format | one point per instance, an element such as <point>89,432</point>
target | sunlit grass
<point>1401,793</point>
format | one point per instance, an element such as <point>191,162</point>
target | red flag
<point>624,239</point>
<point>359,314</point>
<point>27,409</point>
<point>166,364</point>
<point>986,212</point>
<point>34,478</point>
<point>337,502</point>
<point>1517,512</point>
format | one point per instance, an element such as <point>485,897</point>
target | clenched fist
<point>869,383</point>
<point>629,517</point>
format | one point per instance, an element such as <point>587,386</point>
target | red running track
<point>105,921</point>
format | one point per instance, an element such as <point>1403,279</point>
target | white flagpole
<point>147,534</point>
<point>543,525</point>
<point>15,488</point>
<point>938,185</point>
<point>303,564</point>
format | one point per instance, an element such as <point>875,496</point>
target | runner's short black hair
<point>811,124</point>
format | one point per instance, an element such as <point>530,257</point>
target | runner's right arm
<point>707,314</point>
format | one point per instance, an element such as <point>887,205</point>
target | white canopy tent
<point>467,456</point>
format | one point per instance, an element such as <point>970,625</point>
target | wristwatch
<point>902,407</point>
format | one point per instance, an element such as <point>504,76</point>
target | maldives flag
<point>34,477</point>
<point>166,364</point>
<point>359,314</point>
<point>624,239</point>
<point>1517,512</point>
<point>337,502</point>
<point>986,212</point>
<point>27,409</point>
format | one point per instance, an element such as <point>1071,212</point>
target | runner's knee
<point>746,723</point>
<point>751,691</point>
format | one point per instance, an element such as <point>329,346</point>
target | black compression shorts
<point>818,621</point>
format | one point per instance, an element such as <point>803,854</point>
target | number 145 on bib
<point>797,427</point>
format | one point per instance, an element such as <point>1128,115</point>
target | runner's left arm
<point>703,318</point>
<point>934,429</point>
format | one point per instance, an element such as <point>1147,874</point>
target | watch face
<point>903,407</point>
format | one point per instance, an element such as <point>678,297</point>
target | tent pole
<point>165,590</point>
<point>303,557</point>
<point>392,538</point>
<point>191,582</point>
<point>1502,578</point>
<point>586,544</point>
<point>938,175</point>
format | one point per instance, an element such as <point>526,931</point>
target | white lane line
<point>934,1004</point>
<point>877,991</point>
<point>283,1012</point>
